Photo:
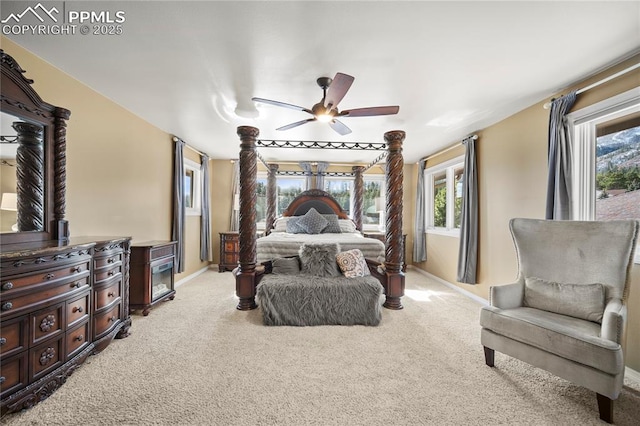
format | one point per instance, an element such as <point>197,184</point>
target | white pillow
<point>347,226</point>
<point>280,225</point>
<point>584,301</point>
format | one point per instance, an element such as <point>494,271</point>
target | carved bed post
<point>394,249</point>
<point>30,176</point>
<point>246,275</point>
<point>272,193</point>
<point>358,196</point>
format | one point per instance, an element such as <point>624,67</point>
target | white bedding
<point>281,244</point>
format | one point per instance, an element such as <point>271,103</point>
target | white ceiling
<point>452,67</point>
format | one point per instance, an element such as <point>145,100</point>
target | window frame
<point>449,167</point>
<point>343,178</point>
<point>196,193</point>
<point>583,125</point>
<point>380,227</point>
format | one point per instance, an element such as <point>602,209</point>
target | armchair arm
<point>506,296</point>
<point>613,321</point>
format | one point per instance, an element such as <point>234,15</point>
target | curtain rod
<point>457,145</point>
<point>547,105</point>
<point>202,154</point>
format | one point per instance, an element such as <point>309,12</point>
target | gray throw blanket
<point>303,300</point>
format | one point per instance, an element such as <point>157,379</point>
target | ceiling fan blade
<point>296,124</point>
<point>281,104</point>
<point>366,112</point>
<point>339,127</point>
<point>337,89</point>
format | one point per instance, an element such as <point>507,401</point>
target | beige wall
<point>512,168</point>
<point>119,167</point>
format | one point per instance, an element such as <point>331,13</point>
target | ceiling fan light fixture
<point>324,118</point>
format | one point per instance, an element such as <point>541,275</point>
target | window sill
<point>444,231</point>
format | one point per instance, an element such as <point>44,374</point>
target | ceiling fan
<point>327,109</point>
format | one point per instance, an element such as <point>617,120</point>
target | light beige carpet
<point>197,360</point>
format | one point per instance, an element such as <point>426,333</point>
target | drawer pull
<point>2,379</point>
<point>3,340</point>
<point>112,319</point>
<point>79,338</point>
<point>78,309</point>
<point>111,294</point>
<point>110,273</point>
<point>76,269</point>
<point>7,286</point>
<point>111,260</point>
<point>49,276</point>
<point>76,284</point>
<point>47,323</point>
<point>6,306</point>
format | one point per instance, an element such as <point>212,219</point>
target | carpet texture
<point>197,360</point>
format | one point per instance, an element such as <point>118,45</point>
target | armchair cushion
<point>584,301</point>
<point>564,336</point>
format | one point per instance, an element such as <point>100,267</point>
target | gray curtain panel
<point>420,239</point>
<point>234,225</point>
<point>308,169</point>
<point>205,216</point>
<point>178,226</point>
<point>321,168</point>
<point>468,251</point>
<point>559,173</point>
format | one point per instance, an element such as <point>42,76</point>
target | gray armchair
<point>566,312</point>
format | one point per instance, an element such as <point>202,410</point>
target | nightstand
<point>229,251</point>
<point>383,237</point>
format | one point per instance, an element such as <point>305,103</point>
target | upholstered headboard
<point>319,200</point>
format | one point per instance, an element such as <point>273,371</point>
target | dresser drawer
<point>49,292</point>
<point>14,336</point>
<point>101,262</point>
<point>46,357</point>
<point>105,321</point>
<point>77,310</point>
<point>47,323</point>
<point>231,246</point>
<point>13,373</point>
<point>77,339</point>
<point>49,276</point>
<point>106,295</point>
<point>107,274</point>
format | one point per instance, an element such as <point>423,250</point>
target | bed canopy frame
<point>248,274</point>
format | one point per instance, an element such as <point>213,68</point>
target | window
<point>192,188</point>
<point>340,189</point>
<point>373,203</point>
<point>443,196</point>
<point>288,188</point>
<point>606,159</point>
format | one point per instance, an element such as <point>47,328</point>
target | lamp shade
<point>9,201</point>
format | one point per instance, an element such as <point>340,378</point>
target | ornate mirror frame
<point>18,98</point>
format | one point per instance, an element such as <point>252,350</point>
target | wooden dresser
<point>59,303</point>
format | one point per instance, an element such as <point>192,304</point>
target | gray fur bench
<point>304,300</point>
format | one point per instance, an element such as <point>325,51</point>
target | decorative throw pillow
<point>319,259</point>
<point>313,222</point>
<point>347,225</point>
<point>352,263</point>
<point>293,226</point>
<point>280,225</point>
<point>333,226</point>
<point>584,301</point>
<point>285,265</point>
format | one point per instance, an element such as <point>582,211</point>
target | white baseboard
<point>470,295</point>
<point>632,375</point>
<point>629,373</point>
<point>190,277</point>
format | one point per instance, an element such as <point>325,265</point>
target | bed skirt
<point>304,300</point>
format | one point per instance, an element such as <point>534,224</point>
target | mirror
<point>33,161</point>
<point>22,175</point>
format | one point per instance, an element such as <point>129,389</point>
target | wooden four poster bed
<point>389,272</point>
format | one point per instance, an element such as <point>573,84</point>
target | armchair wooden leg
<point>605,406</point>
<point>489,355</point>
